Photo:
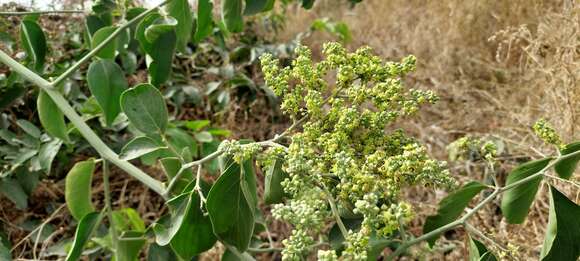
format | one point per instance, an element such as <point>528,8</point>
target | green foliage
<point>51,117</point>
<point>138,147</point>
<point>107,52</point>
<point>478,251</point>
<point>145,107</point>
<point>83,233</point>
<point>107,81</point>
<point>34,43</point>
<point>562,240</point>
<point>78,189</point>
<point>232,15</point>
<point>451,207</point>
<point>236,187</point>
<point>181,11</point>
<point>204,22</point>
<point>516,202</point>
<point>566,167</point>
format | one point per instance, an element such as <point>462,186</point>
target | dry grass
<point>498,67</point>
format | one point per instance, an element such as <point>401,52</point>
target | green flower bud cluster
<point>327,255</point>
<point>238,151</point>
<point>547,133</point>
<point>473,149</point>
<point>344,150</point>
<point>357,244</point>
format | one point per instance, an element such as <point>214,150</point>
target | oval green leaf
<point>232,15</point>
<point>145,108</point>
<point>129,245</point>
<point>195,234</point>
<point>255,6</point>
<point>181,10</point>
<point>51,118</point>
<point>34,43</point>
<point>231,204</point>
<point>562,240</point>
<point>566,167</point>
<point>204,22</point>
<point>273,190</point>
<point>78,189</point>
<point>83,234</point>
<point>451,207</point>
<point>107,82</point>
<point>478,251</point>
<point>516,202</point>
<point>138,147</point>
<point>108,52</point>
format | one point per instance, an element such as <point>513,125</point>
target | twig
<point>108,204</point>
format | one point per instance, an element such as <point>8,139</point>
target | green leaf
<point>232,15</point>
<point>165,233</point>
<point>156,35</point>
<point>195,234</point>
<point>307,4</point>
<point>273,190</point>
<point>107,82</point>
<point>78,188</point>
<point>232,254</point>
<point>140,31</point>
<point>516,202</point>
<point>562,240</point>
<point>197,125</point>
<point>182,140</point>
<point>181,10</point>
<point>478,251</point>
<point>204,22</point>
<point>203,136</point>
<point>12,189</point>
<point>128,219</point>
<point>83,233</point>
<point>129,245</point>
<point>51,118</point>
<point>138,147</point>
<point>145,107</point>
<point>34,43</point>
<point>451,207</point>
<point>29,128</point>
<point>566,167</point>
<point>231,204</point>
<point>255,6</point>
<point>162,54</point>
<point>108,52</point>
<point>47,152</point>
<point>171,167</point>
<point>160,26</point>
<point>93,23</point>
<point>160,253</point>
<point>5,250</point>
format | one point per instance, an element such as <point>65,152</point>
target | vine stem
<point>42,12</point>
<point>108,204</point>
<point>461,221</point>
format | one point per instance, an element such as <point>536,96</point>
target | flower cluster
<point>471,148</point>
<point>547,133</point>
<point>345,152</point>
<point>239,151</point>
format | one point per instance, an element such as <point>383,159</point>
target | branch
<point>84,129</point>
